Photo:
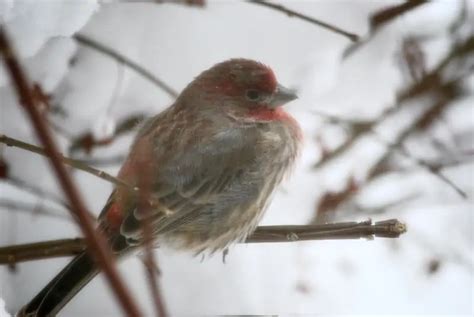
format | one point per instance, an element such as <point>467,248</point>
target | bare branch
<point>381,18</point>
<point>37,191</point>
<point>388,14</point>
<point>445,87</point>
<point>84,40</point>
<point>95,240</point>
<point>291,13</point>
<point>264,234</point>
<point>87,141</point>
<point>11,205</point>
<point>144,208</point>
<point>103,161</point>
<point>41,250</point>
<point>68,161</point>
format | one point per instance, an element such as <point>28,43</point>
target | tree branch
<point>145,210</point>
<point>264,234</point>
<point>278,7</point>
<point>443,84</point>
<point>11,205</point>
<point>381,18</point>
<point>36,190</point>
<point>95,241</point>
<point>87,142</point>
<point>86,41</point>
<point>78,164</point>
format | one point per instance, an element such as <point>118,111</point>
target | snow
<point>176,43</point>
<point>3,312</point>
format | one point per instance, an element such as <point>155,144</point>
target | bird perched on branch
<point>206,168</point>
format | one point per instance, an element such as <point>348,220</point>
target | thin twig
<point>95,241</point>
<point>37,191</point>
<point>291,13</point>
<point>264,234</point>
<point>68,161</point>
<point>145,183</point>
<point>432,83</point>
<point>87,142</point>
<point>84,40</point>
<point>103,161</point>
<point>34,209</point>
<point>11,255</point>
<point>432,169</point>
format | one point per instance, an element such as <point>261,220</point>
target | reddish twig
<point>95,241</point>
<point>87,141</point>
<point>144,206</point>
<point>291,13</point>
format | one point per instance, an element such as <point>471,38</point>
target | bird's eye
<point>252,94</point>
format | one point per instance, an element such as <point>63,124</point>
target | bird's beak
<point>281,96</point>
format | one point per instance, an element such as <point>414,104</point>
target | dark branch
<point>278,7</point>
<point>336,231</point>
<point>388,14</point>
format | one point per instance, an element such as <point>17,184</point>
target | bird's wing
<point>188,177</point>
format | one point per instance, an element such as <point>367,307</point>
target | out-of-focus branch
<point>331,201</point>
<point>95,241</point>
<point>144,208</point>
<point>87,141</point>
<point>381,18</point>
<point>191,3</point>
<point>37,191</point>
<point>431,82</point>
<point>264,234</point>
<point>68,161</point>
<point>104,161</point>
<point>34,209</point>
<point>443,84</point>
<point>85,40</point>
<point>41,250</point>
<point>291,13</point>
<point>386,15</point>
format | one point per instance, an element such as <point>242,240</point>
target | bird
<point>210,164</point>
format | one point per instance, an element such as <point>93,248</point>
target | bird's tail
<point>62,288</point>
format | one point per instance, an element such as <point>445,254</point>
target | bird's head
<point>242,84</point>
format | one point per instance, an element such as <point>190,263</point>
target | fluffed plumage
<point>213,159</point>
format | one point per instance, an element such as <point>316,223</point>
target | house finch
<point>211,161</point>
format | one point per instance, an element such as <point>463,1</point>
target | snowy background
<point>428,270</point>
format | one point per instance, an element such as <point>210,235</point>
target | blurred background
<point>388,133</point>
